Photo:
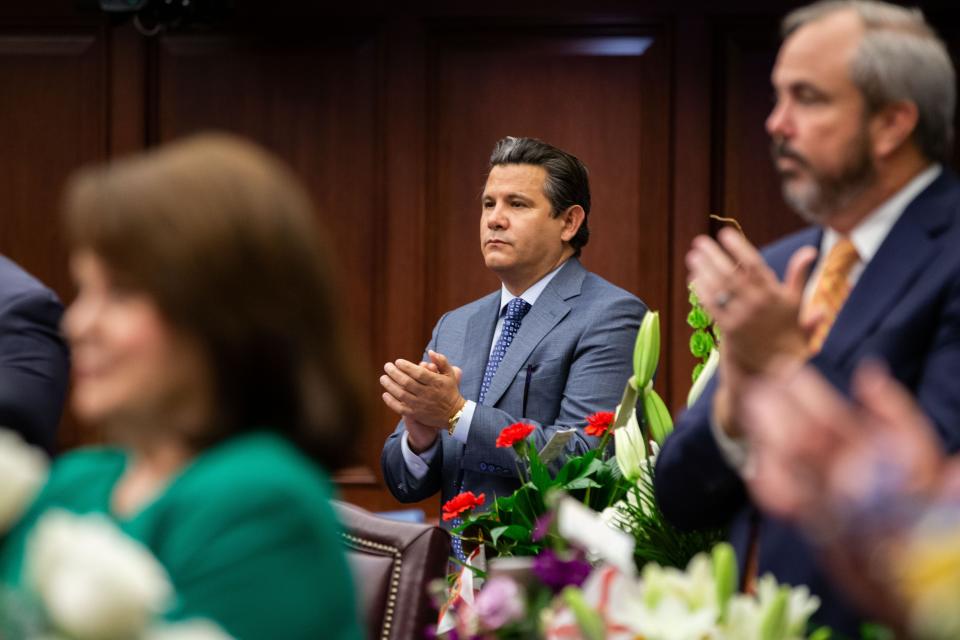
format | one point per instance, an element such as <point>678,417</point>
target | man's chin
<point>804,199</point>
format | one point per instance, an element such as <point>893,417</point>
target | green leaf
<point>539,474</point>
<point>582,483</point>
<point>697,370</point>
<point>513,532</point>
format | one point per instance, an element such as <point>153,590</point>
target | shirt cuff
<point>734,450</point>
<point>418,464</point>
<point>462,430</point>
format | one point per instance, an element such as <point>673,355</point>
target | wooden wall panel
<point>315,103</point>
<point>53,118</point>
<point>603,97</point>
<point>748,187</point>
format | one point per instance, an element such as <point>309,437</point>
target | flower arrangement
<point>620,485</point>
<point>562,596</point>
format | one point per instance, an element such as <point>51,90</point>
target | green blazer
<point>245,531</point>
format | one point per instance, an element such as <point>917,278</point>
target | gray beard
<point>824,196</point>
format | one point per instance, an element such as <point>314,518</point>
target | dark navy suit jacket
<point>34,361</point>
<point>904,310</point>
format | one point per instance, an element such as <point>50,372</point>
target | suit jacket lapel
<point>900,260</point>
<point>551,307</point>
<point>479,336</point>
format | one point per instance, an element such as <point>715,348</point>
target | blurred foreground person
<point>206,348</point>
<point>869,485</point>
<point>861,131</point>
<point>34,363</point>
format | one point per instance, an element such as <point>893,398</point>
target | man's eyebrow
<point>805,85</point>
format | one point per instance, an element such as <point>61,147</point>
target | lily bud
<point>658,418</point>
<point>646,350</point>
<point>724,575</point>
<point>773,625</point>
<point>629,448</point>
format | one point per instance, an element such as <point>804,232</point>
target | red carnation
<point>517,432</point>
<point>461,503</point>
<point>598,423</point>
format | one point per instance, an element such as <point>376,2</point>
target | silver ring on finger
<point>722,299</point>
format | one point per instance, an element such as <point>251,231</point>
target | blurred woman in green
<point>206,349</point>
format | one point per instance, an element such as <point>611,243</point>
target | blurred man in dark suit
<point>861,128</point>
<point>34,361</point>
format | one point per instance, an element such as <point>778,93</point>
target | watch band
<point>454,419</point>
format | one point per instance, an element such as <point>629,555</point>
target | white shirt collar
<point>532,293</point>
<point>872,231</point>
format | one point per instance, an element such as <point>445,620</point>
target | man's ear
<point>572,219</point>
<point>892,126</point>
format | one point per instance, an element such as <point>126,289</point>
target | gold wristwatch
<point>454,419</point>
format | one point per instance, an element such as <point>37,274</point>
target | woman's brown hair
<point>224,238</point>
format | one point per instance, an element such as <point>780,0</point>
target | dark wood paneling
<point>316,103</point>
<point>53,118</point>
<point>748,188</point>
<point>602,96</point>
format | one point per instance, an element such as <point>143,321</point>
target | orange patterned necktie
<point>831,291</point>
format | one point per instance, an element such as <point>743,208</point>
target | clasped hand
<point>427,393</point>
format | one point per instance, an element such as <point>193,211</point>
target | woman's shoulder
<point>255,469</point>
<point>79,467</point>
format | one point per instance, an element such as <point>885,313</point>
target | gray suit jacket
<point>575,347</point>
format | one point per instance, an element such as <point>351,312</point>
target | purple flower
<point>499,602</point>
<point>558,573</point>
<point>542,527</point>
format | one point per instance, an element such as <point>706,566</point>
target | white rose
<point>94,580</point>
<point>198,629</point>
<point>23,470</point>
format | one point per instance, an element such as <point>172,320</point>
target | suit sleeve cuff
<point>462,430</point>
<point>417,464</point>
<point>734,450</point>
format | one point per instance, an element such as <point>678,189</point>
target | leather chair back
<point>392,564</point>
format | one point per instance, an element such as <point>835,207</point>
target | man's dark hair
<point>567,183</point>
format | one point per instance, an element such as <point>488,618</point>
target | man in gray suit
<point>551,347</point>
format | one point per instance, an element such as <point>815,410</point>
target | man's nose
<point>496,218</point>
<point>780,123</point>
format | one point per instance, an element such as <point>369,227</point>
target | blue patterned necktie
<point>516,310</point>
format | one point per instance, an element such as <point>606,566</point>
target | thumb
<point>443,365</point>
<point>458,374</point>
<point>797,271</point>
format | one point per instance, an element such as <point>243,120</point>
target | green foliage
<point>507,528</point>
<point>656,539</point>
<point>698,318</point>
<point>701,342</point>
<point>697,370</point>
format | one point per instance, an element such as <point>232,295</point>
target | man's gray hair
<point>900,58</point>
